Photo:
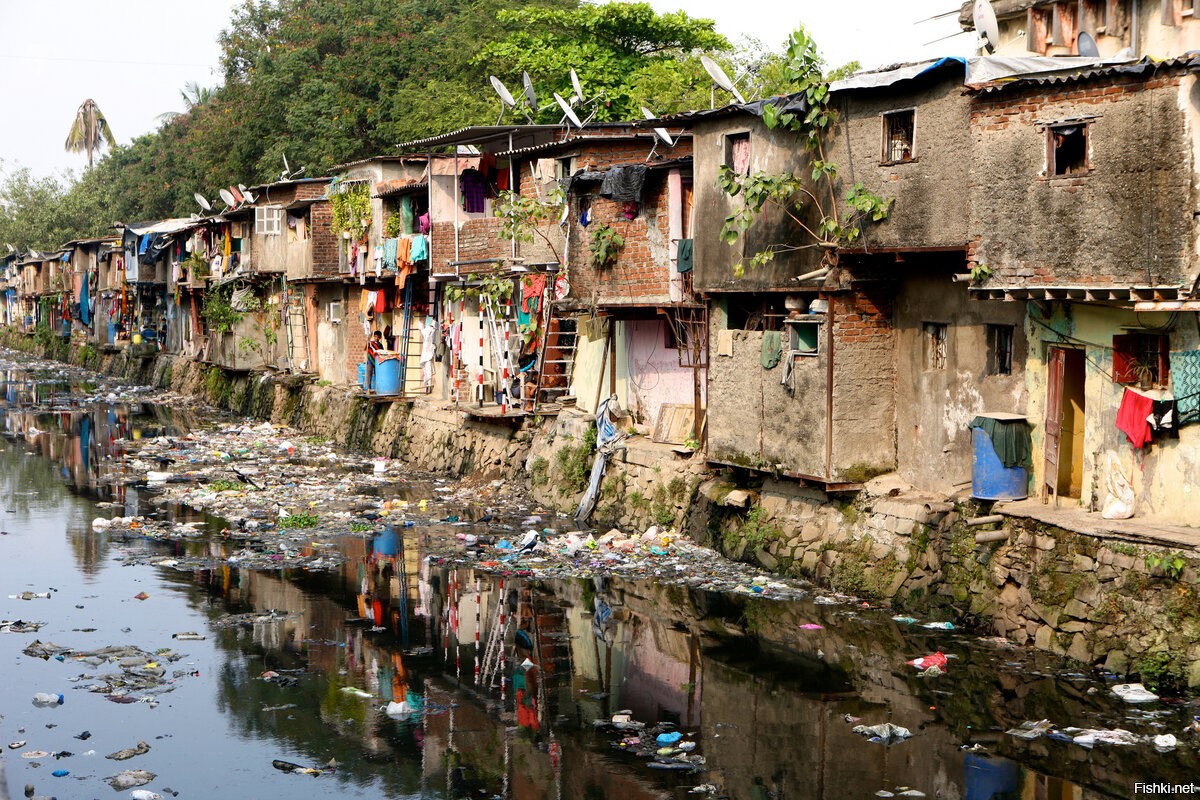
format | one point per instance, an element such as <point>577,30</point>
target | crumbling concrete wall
<point>1128,220</point>
<point>931,205</point>
<point>934,406</point>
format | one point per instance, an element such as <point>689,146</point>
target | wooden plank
<point>676,423</point>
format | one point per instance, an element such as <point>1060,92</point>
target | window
<point>1067,149</point>
<point>898,127</point>
<point>334,311</point>
<point>1141,358</point>
<point>1187,8</point>
<point>935,345</point>
<point>268,220</point>
<point>737,152</point>
<point>1000,349</point>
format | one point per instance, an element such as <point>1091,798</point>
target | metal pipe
<point>1135,28</point>
<point>829,395</point>
<point>808,276</point>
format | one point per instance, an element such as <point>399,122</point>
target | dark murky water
<point>765,699</point>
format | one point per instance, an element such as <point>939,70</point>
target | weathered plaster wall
<point>770,151</point>
<point>864,378</point>
<point>932,204</point>
<point>935,406</point>
<point>1165,480</point>
<point>752,419</point>
<point>1127,222</point>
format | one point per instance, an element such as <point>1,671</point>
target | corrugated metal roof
<point>1003,8</point>
<point>291,182</point>
<point>788,102</point>
<point>476,134</point>
<point>1188,62</point>
<point>392,159</point>
<point>585,138</point>
<point>406,188</point>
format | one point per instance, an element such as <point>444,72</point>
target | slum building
<point>1082,208</point>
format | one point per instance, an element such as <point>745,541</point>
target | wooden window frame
<point>1052,162</point>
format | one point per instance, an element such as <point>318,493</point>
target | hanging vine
<point>351,208</point>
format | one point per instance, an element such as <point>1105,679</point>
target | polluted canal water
<point>403,668</point>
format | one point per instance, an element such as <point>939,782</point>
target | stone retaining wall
<point>1130,606</point>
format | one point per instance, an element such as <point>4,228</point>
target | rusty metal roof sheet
<point>1189,62</point>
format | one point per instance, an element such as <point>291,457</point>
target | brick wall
<point>325,242</point>
<point>477,239</point>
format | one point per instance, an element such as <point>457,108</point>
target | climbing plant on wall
<point>351,207</point>
<point>523,217</point>
<point>809,199</point>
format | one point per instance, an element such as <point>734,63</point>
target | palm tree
<point>193,95</point>
<point>90,131</point>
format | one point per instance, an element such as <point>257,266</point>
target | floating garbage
<point>664,739</point>
<point>1134,693</point>
<point>1165,742</point>
<point>129,752</point>
<point>297,769</point>
<point>884,733</point>
<point>46,699</point>
<point>937,659</point>
<point>1030,730</point>
<point>144,794</point>
<point>130,778</point>
<point>939,626</point>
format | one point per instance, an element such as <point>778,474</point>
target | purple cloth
<point>474,190</point>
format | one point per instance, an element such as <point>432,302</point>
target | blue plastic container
<point>362,374</point>
<point>387,376</point>
<point>112,332</point>
<point>990,479</point>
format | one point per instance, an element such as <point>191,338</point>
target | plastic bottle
<point>45,699</point>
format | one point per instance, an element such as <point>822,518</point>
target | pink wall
<point>654,374</point>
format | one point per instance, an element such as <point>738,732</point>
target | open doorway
<point>1064,423</point>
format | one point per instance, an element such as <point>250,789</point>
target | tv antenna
<point>1085,45</point>
<point>530,94</point>
<point>246,193</point>
<point>984,17</point>
<point>568,112</point>
<point>288,173</point>
<point>507,100</point>
<point>720,78</point>
<point>577,86</point>
<point>659,133</point>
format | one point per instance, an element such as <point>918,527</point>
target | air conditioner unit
<point>334,311</point>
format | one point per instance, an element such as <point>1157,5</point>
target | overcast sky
<point>133,56</point>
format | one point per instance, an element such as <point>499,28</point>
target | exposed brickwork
<point>864,346</point>
<point>324,241</point>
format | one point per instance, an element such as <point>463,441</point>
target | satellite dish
<point>505,95</point>
<point>202,201</point>
<point>986,26</point>
<point>233,190</point>
<point>530,94</point>
<point>1124,54</point>
<point>576,85</point>
<point>720,78</point>
<point>246,193</point>
<point>661,133</point>
<point>1085,45</point>
<point>567,110</point>
<point>227,198</point>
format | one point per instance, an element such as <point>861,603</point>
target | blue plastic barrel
<point>387,376</point>
<point>112,332</point>
<point>362,375</point>
<point>990,479</point>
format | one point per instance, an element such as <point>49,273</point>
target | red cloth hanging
<point>1132,417</point>
<point>380,301</point>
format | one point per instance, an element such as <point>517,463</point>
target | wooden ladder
<point>556,362</point>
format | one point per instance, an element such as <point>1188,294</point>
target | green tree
<point>89,132</point>
<point>809,200</point>
<point>626,55</point>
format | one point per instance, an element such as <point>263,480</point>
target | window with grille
<point>898,130</point>
<point>935,345</point>
<point>268,220</point>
